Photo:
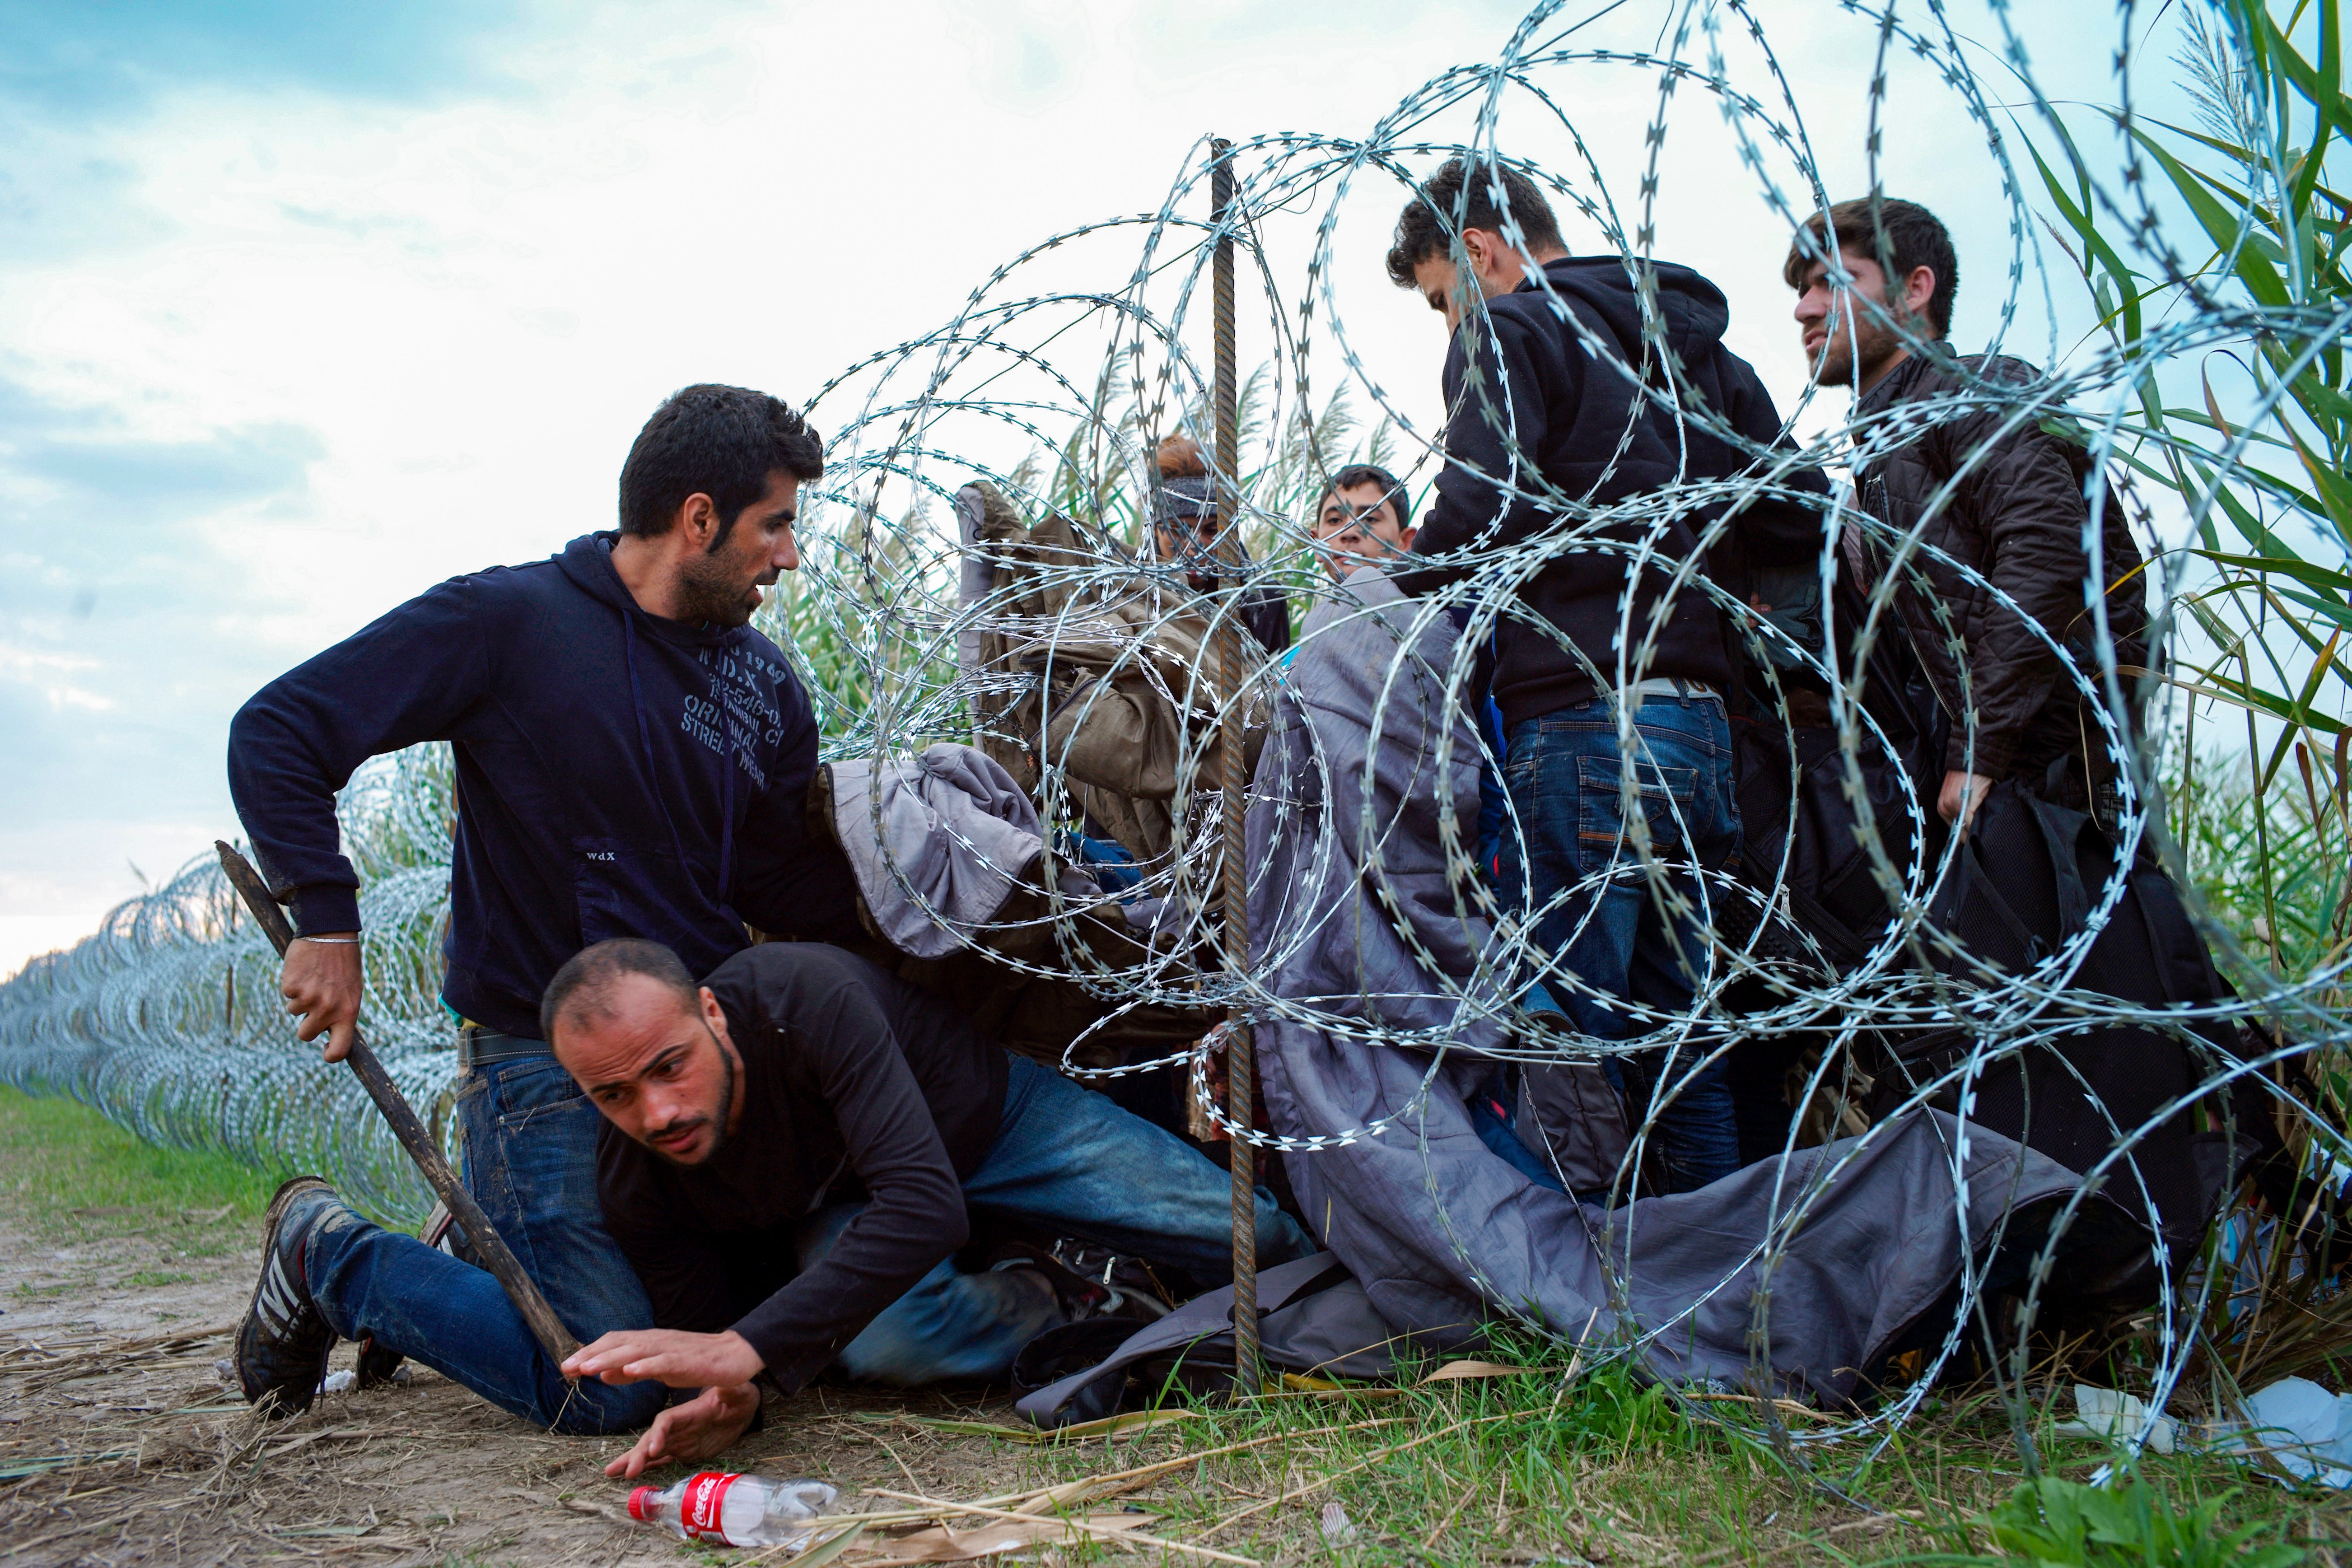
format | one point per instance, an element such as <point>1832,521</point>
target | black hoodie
<point>1521,381</point>
<point>618,774</point>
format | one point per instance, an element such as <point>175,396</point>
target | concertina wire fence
<point>1054,383</point>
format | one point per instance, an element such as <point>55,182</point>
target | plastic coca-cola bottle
<point>734,1509</point>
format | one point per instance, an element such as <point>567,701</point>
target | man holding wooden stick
<point>631,760</point>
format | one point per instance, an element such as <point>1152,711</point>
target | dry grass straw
<point>46,1363</point>
<point>1094,1528</point>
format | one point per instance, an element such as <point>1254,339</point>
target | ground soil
<point>122,1444</point>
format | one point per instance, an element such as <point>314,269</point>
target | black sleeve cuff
<point>326,906</point>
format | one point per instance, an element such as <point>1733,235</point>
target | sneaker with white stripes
<point>283,1343</point>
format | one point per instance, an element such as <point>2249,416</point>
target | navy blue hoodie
<point>1522,384</point>
<point>618,774</point>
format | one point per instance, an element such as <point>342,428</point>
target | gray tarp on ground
<point>1876,1250</point>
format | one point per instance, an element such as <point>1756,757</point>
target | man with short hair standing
<point>2015,514</point>
<point>1364,519</point>
<point>1578,389</point>
<point>631,760</point>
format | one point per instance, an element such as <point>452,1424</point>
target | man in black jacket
<point>789,1154</point>
<point>631,760</point>
<point>1584,394</point>
<point>2011,527</point>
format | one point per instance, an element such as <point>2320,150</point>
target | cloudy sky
<point>306,306</point>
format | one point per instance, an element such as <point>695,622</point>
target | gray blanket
<point>1819,1260</point>
<point>937,842</point>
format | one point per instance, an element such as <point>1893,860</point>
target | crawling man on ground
<point>791,1154</point>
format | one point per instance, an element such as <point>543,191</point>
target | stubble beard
<point>709,594</point>
<point>1856,349</point>
<point>726,1109</point>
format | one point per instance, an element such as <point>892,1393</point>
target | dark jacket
<point>2017,518</point>
<point>1522,380</point>
<point>618,774</point>
<point>1265,610</point>
<point>856,1087</point>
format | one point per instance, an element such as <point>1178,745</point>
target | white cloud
<point>47,674</point>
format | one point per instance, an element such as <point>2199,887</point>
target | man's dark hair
<point>583,986</point>
<point>1899,236</point>
<point>1427,226</point>
<point>1356,474</point>
<point>723,441</point>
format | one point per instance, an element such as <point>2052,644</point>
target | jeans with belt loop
<point>531,1161</point>
<point>1570,860</point>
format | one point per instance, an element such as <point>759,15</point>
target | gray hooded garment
<point>1864,1236</point>
<point>950,841</point>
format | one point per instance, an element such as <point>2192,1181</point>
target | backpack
<point>2019,887</point>
<point>2023,884</point>
<point>1314,1318</point>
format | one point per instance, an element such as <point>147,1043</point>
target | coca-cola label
<point>698,1510</point>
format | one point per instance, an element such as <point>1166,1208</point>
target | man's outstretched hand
<point>1961,795</point>
<point>721,1365</point>
<point>701,1428</point>
<point>666,1355</point>
<point>321,982</point>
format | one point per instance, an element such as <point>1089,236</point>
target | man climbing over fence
<point>1575,387</point>
<point>631,760</point>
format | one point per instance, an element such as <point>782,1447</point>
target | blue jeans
<point>1070,1162</point>
<point>1496,1122</point>
<point>531,1163</point>
<point>1608,928</point>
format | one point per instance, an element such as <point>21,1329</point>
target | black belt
<point>480,1048</point>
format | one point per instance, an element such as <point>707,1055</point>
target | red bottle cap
<point>638,1498</point>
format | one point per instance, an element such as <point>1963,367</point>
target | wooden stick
<point>1093,1489</point>
<point>545,1326</point>
<point>1161,1467</point>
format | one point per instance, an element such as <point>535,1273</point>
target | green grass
<point>66,1169</point>
<point>1603,1471</point>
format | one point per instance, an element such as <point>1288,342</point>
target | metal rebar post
<point>1240,1064</point>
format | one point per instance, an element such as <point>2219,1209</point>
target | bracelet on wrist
<point>331,940</point>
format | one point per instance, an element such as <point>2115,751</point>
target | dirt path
<point>121,1444</point>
